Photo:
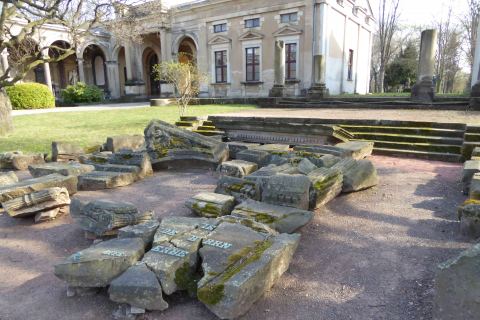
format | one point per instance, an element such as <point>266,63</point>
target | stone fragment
<point>248,222</point>
<point>51,200</point>
<point>173,227</point>
<point>8,178</point>
<point>457,287</point>
<point>36,184</point>
<point>282,219</point>
<point>360,177</point>
<point>474,192</point>
<point>102,216</point>
<point>332,150</point>
<point>99,264</point>
<point>139,287</point>
<point>237,146</point>
<point>287,190</point>
<point>140,159</point>
<point>237,168</point>
<point>469,169</point>
<point>469,216</point>
<point>99,180</point>
<point>145,231</point>
<point>211,205</point>
<point>124,142</point>
<point>357,149</point>
<point>95,158</point>
<point>305,166</point>
<point>272,148</point>
<point>116,168</point>
<point>476,153</point>
<point>250,272</point>
<point>63,168</point>
<point>260,157</point>
<point>167,143</point>
<point>51,214</point>
<point>327,184</point>
<point>240,189</point>
<point>19,161</point>
<point>63,151</point>
<point>345,165</point>
<point>327,161</point>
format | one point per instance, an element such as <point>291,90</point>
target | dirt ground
<point>468,117</point>
<point>367,255</point>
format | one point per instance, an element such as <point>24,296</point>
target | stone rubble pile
<point>19,161</point>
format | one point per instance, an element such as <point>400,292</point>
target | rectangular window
<point>252,64</point>
<point>291,61</point>
<point>289,17</point>
<point>350,65</point>
<point>221,68</point>
<point>220,28</point>
<point>252,23</point>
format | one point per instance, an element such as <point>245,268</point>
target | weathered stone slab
<point>237,146</point>
<point>237,168</point>
<point>469,169</point>
<point>345,165</point>
<point>287,190</point>
<point>248,222</point>
<point>102,216</point>
<point>166,143</point>
<point>63,151</point>
<point>35,202</point>
<point>283,219</point>
<point>99,180</point>
<point>36,184</point>
<point>175,227</point>
<point>469,216</point>
<point>19,161</point>
<point>357,149</point>
<point>116,168</point>
<point>98,265</point>
<point>211,205</point>
<point>140,159</point>
<point>332,150</point>
<point>457,287</point>
<point>272,148</point>
<point>8,178</point>
<point>63,168</point>
<point>474,192</point>
<point>95,158</point>
<point>252,271</point>
<point>240,189</point>
<point>305,166</point>
<point>122,142</point>
<point>327,161</point>
<point>476,153</point>
<point>360,177</point>
<point>51,214</point>
<point>145,231</point>
<point>138,287</point>
<point>259,157</point>
<point>327,184</point>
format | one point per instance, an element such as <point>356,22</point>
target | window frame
<point>256,64</point>
<point>223,67</point>
<point>289,15</point>
<point>223,27</point>
<point>254,25</point>
<point>290,60</point>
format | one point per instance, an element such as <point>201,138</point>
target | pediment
<point>219,40</point>
<point>250,35</point>
<point>287,31</point>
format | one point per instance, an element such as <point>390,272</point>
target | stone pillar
<point>81,70</point>
<point>4,60</point>
<point>46,70</point>
<point>134,84</point>
<point>475,92</point>
<point>166,89</point>
<point>424,90</point>
<point>113,79</point>
<point>278,89</point>
<point>319,88</point>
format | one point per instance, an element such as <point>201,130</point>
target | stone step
<point>427,147</point>
<point>406,130</point>
<point>407,138</point>
<point>473,129</point>
<point>207,128</point>
<point>185,123</point>
<point>468,147</point>
<point>472,137</point>
<point>436,156</point>
<point>208,123</point>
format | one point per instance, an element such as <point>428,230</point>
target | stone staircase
<point>471,140</point>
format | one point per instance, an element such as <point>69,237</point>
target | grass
<point>35,133</point>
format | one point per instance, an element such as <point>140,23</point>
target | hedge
<point>82,93</point>
<point>30,95</point>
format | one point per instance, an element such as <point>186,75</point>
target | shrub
<point>82,93</point>
<point>30,95</point>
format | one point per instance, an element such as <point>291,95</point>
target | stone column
<point>81,70</point>
<point>278,89</point>
<point>424,90</point>
<point>319,88</point>
<point>113,79</point>
<point>475,92</point>
<point>46,70</point>
<point>166,89</point>
<point>4,60</point>
<point>134,84</point>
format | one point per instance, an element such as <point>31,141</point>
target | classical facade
<point>322,42</point>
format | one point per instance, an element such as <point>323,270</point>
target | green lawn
<point>35,133</point>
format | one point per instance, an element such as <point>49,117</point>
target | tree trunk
<point>6,124</point>
<point>381,80</point>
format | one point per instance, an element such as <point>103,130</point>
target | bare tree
<point>469,23</point>
<point>388,16</point>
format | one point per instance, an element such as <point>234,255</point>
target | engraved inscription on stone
<point>168,231</point>
<point>208,227</point>
<point>114,253</point>
<point>217,244</point>
<point>170,251</point>
<point>77,257</point>
<point>193,238</point>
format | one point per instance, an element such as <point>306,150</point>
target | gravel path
<point>367,255</point>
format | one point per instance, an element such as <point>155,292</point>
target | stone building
<point>234,42</point>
